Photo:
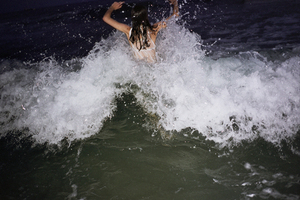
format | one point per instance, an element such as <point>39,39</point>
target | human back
<point>145,50</point>
<point>142,35</point>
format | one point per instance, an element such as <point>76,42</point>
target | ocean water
<point>217,117</point>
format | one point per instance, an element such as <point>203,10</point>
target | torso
<point>149,53</point>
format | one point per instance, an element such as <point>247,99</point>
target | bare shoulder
<point>127,30</point>
<point>159,25</point>
<point>153,35</point>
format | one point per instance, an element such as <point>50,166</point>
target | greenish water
<point>216,117</point>
<point>128,159</point>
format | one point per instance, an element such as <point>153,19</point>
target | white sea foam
<point>227,100</point>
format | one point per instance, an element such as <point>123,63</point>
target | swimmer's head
<point>140,27</point>
<point>139,14</point>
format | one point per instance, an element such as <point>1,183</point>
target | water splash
<point>228,100</point>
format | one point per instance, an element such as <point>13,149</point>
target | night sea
<point>216,117</point>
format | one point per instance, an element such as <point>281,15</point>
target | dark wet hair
<point>140,26</point>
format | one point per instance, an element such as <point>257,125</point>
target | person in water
<point>142,35</point>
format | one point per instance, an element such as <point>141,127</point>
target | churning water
<point>217,117</point>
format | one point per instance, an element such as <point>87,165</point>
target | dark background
<point>17,5</point>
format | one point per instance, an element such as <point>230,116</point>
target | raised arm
<point>117,25</point>
<point>163,24</point>
<point>175,8</point>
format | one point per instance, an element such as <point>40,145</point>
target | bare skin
<point>125,28</point>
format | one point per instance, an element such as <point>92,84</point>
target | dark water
<point>217,117</point>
